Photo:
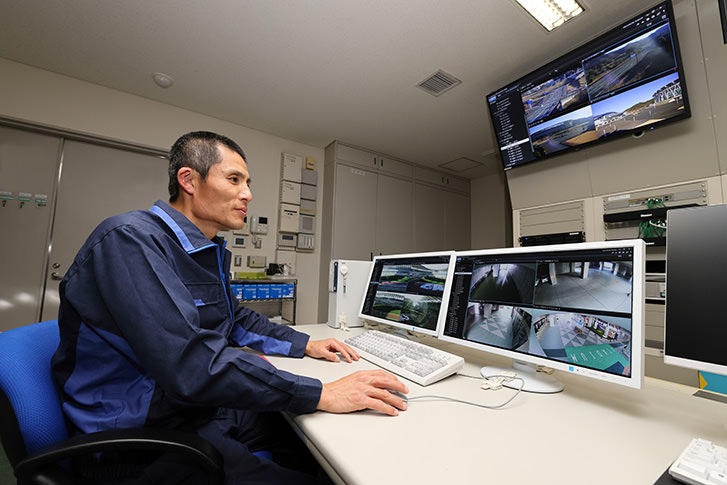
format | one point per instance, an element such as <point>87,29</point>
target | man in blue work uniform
<point>150,329</point>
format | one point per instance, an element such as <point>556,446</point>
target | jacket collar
<point>189,235</point>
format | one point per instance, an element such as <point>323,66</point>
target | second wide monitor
<point>573,307</point>
<point>409,291</point>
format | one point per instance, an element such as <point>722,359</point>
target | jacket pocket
<point>210,303</point>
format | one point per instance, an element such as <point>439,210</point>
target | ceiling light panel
<point>551,13</point>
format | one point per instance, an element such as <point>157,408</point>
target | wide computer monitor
<point>409,291</point>
<point>695,331</point>
<point>577,308</point>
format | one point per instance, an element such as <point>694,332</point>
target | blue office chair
<point>33,430</point>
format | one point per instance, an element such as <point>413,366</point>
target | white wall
<point>41,97</point>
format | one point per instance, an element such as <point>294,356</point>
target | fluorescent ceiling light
<point>551,13</point>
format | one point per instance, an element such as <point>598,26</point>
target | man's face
<point>220,202</point>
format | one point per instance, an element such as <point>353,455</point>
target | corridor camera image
<point>503,326</point>
<point>594,285</point>
<point>411,294</point>
<point>503,282</point>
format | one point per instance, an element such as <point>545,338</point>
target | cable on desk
<point>497,406</point>
<point>469,376</point>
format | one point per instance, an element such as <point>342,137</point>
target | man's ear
<point>187,179</point>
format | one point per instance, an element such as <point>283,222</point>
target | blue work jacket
<point>149,328</point>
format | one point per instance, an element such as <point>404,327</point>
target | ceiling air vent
<point>438,83</point>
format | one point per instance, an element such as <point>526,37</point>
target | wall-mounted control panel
<point>259,225</point>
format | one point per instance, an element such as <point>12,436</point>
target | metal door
<point>96,182</point>
<point>28,164</point>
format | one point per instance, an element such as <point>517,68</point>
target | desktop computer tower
<point>347,282</point>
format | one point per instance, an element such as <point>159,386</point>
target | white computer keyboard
<point>413,360</point>
<point>701,463</point>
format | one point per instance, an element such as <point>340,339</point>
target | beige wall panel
<point>715,61</point>
<point>491,216</point>
<point>555,180</point>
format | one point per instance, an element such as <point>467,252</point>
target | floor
<point>6,471</point>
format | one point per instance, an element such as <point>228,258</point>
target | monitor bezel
<point>445,295</point>
<point>636,379</point>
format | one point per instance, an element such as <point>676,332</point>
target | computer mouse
<point>400,395</point>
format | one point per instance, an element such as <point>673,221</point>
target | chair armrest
<point>190,446</point>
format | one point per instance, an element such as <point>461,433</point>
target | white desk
<point>592,433</point>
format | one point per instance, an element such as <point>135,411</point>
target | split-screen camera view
<point>577,312</point>
<point>411,294</point>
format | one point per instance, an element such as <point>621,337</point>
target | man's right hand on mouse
<point>363,390</point>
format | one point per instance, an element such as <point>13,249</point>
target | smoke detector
<point>162,80</point>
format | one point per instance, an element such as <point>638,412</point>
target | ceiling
<point>312,71</point>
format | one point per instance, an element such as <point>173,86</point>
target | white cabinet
<point>442,219</point>
<point>354,213</point>
<point>457,222</point>
<point>372,161</point>
<point>371,214</point>
<point>442,216</point>
<point>394,215</point>
<point>374,204</point>
<point>443,180</point>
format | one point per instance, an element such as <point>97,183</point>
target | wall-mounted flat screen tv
<point>626,81</point>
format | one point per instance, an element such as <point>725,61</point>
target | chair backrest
<point>35,418</point>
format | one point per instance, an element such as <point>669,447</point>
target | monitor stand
<point>533,381</point>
